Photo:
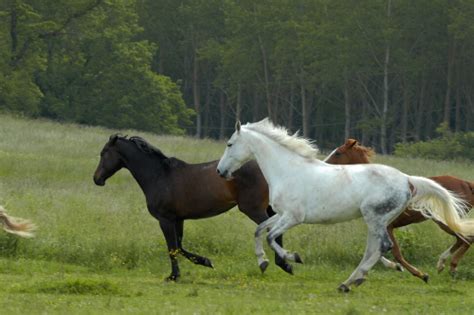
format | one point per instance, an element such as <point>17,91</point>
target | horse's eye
<point>229,145</point>
<point>337,153</point>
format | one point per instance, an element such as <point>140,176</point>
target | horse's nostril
<point>217,170</point>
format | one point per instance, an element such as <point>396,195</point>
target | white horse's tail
<point>16,226</point>
<point>436,202</point>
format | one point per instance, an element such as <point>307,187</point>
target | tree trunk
<point>383,124</point>
<point>290,107</point>
<point>420,110</point>
<point>304,112</point>
<point>238,105</point>
<point>470,111</point>
<point>255,111</point>
<point>207,110</point>
<point>266,77</point>
<point>13,32</point>
<point>222,115</point>
<point>196,96</point>
<point>429,116</point>
<point>365,104</point>
<point>404,114</point>
<point>457,126</point>
<point>447,100</point>
<point>347,109</point>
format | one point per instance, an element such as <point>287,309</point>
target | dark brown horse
<point>351,152</point>
<point>176,191</point>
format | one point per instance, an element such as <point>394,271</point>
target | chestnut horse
<point>351,152</point>
<point>16,226</point>
<point>176,191</point>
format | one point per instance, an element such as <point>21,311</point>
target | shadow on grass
<point>74,286</point>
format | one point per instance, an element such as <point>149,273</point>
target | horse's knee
<point>270,238</point>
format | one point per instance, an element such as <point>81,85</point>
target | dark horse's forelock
<point>146,147</point>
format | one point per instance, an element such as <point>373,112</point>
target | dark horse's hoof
<point>399,267</point>
<point>287,268</point>
<point>359,281</point>
<point>343,288</point>
<point>298,259</point>
<point>172,278</point>
<point>425,278</point>
<point>263,266</point>
<point>207,263</point>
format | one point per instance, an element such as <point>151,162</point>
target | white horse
<point>304,189</point>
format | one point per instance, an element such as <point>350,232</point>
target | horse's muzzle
<point>224,174</point>
<point>99,181</point>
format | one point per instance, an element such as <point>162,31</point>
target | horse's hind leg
<point>372,254</point>
<point>399,257</point>
<point>458,254</point>
<point>198,260</point>
<point>447,253</point>
<point>378,240</point>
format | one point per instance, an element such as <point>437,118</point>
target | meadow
<point>97,250</point>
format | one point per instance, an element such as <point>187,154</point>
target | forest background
<point>382,71</point>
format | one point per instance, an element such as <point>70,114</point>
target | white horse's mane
<point>301,146</point>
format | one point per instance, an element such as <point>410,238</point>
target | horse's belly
<point>326,214</point>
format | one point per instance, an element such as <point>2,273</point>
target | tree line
<point>382,71</point>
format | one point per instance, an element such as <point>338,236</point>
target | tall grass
<point>46,173</point>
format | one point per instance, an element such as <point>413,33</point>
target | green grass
<point>97,249</point>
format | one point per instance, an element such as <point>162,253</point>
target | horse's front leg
<point>198,260</point>
<point>261,257</point>
<point>283,224</point>
<point>169,230</point>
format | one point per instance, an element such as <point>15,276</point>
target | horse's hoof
<point>288,268</point>
<point>298,259</point>
<point>285,267</point>
<point>172,278</point>
<point>343,288</point>
<point>453,273</point>
<point>359,281</point>
<point>425,278</point>
<point>208,263</point>
<point>263,266</point>
<point>399,267</point>
<point>440,267</point>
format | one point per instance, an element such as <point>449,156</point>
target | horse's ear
<point>113,138</point>
<point>237,126</point>
<point>351,142</point>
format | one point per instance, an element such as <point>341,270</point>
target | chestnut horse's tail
<point>434,201</point>
<point>15,225</point>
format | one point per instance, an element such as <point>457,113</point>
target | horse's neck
<point>143,167</point>
<point>274,160</point>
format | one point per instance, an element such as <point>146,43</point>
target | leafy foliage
<point>60,66</point>
<point>449,146</point>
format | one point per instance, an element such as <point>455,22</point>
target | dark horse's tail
<point>16,226</point>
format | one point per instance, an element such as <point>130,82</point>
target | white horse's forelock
<point>299,145</point>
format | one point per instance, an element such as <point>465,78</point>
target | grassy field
<point>97,249</point>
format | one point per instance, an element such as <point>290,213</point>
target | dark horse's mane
<point>144,146</point>
<point>148,148</point>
